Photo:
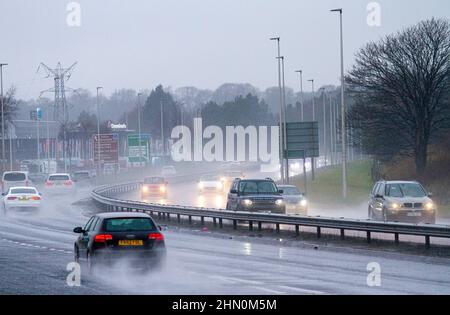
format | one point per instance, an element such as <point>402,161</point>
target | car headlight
<point>247,202</point>
<point>429,206</point>
<point>200,185</point>
<point>219,185</point>
<point>303,203</point>
<point>162,188</point>
<point>223,179</point>
<point>144,189</point>
<point>394,206</point>
<point>279,202</point>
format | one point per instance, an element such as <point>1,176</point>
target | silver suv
<point>404,201</point>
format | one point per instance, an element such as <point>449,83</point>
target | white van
<point>15,179</point>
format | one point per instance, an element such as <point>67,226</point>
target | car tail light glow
<point>12,198</point>
<point>68,182</point>
<point>156,236</point>
<point>48,183</point>
<point>35,198</point>
<point>101,238</point>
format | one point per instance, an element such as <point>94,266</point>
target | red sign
<point>109,148</point>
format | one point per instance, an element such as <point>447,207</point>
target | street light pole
<point>286,160</point>
<point>139,128</point>
<point>281,109</point>
<point>302,116</point>
<point>98,132</point>
<point>324,126</point>
<point>313,160</point>
<point>343,127</point>
<point>162,131</point>
<point>3,115</point>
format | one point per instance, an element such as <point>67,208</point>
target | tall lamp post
<point>3,115</point>
<point>98,132</point>
<point>343,127</point>
<point>285,160</point>
<point>139,127</point>
<point>281,108</point>
<point>302,116</point>
<point>313,176</point>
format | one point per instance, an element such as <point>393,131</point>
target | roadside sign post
<point>138,148</point>
<point>302,142</point>
<point>106,146</point>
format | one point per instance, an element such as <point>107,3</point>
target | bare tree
<point>401,90</point>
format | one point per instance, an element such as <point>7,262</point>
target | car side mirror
<point>3,194</point>
<point>233,191</point>
<point>78,230</point>
<point>280,191</point>
<point>430,194</point>
<point>162,227</point>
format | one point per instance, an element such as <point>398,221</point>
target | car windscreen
<point>405,190</point>
<point>58,177</point>
<point>154,180</point>
<point>14,177</point>
<point>290,191</point>
<point>129,225</point>
<point>23,191</point>
<point>257,187</point>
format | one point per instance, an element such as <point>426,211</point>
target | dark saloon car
<point>108,237</point>
<point>259,195</point>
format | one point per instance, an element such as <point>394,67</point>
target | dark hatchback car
<point>108,237</point>
<point>259,195</point>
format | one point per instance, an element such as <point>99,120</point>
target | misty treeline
<point>400,86</point>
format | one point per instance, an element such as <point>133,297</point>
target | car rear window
<point>23,191</point>
<point>58,177</point>
<point>14,177</point>
<point>290,190</point>
<point>129,225</point>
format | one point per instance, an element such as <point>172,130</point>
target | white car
<point>60,183</point>
<point>168,170</point>
<point>22,197</point>
<point>210,183</point>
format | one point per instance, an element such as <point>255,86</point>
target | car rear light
<point>68,182</point>
<point>101,238</point>
<point>12,198</point>
<point>48,183</point>
<point>156,236</point>
<point>35,198</point>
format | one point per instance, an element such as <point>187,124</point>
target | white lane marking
<point>37,246</point>
<point>307,291</point>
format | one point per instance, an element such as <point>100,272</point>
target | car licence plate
<point>131,242</point>
<point>23,198</point>
<point>414,214</point>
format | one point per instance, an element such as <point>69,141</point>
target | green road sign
<point>302,140</point>
<point>138,152</point>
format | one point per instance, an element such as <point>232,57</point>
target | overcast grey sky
<point>204,43</point>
